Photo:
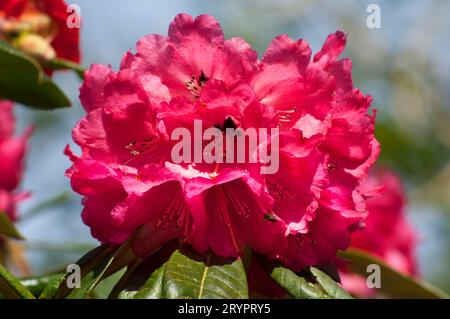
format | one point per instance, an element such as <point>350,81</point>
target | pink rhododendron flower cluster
<point>300,215</point>
<point>12,151</point>
<point>387,233</point>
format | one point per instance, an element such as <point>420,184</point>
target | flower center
<point>227,123</point>
<point>141,149</point>
<point>195,84</point>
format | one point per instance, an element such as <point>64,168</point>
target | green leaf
<point>125,294</point>
<point>87,263</point>
<point>36,285</point>
<point>328,285</point>
<point>96,266</point>
<point>91,280</point>
<point>298,287</point>
<point>122,281</point>
<point>393,283</point>
<point>139,273</point>
<point>7,227</point>
<point>23,80</point>
<point>52,288</point>
<point>11,287</point>
<point>105,286</point>
<point>188,275</point>
<point>153,287</point>
<point>313,284</point>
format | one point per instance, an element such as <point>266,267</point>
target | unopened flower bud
<point>36,46</point>
<point>39,23</point>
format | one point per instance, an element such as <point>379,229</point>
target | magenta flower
<point>12,152</point>
<point>387,233</point>
<point>301,214</point>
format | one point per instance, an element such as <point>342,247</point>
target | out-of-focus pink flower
<point>386,234</point>
<point>12,152</point>
<point>39,27</point>
<point>301,215</point>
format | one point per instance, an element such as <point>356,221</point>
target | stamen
<point>194,85</point>
<point>224,216</point>
<point>301,239</point>
<point>202,79</point>
<point>332,167</point>
<point>285,116</point>
<point>137,148</point>
<point>270,217</point>
<point>175,213</point>
<point>279,193</point>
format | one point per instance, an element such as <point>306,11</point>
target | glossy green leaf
<point>10,287</point>
<point>90,281</point>
<point>95,266</point>
<point>100,271</point>
<point>51,289</point>
<point>188,275</point>
<point>393,283</point>
<point>87,264</point>
<point>138,275</point>
<point>7,227</point>
<point>312,284</point>
<point>23,80</point>
<point>124,279</point>
<point>331,287</point>
<point>298,287</point>
<point>106,285</point>
<point>153,287</point>
<point>125,294</point>
<point>36,285</point>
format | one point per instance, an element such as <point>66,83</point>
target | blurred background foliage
<point>404,65</point>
